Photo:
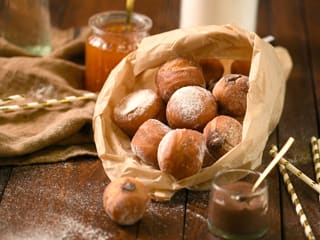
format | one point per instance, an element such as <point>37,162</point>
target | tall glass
<point>110,40</point>
<point>26,23</point>
<point>206,12</point>
<point>235,212</point>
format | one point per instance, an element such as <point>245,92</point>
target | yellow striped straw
<point>47,103</point>
<point>11,99</point>
<point>316,158</point>
<point>297,205</point>
<point>298,173</point>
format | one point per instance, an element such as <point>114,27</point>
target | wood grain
<point>4,177</point>
<point>58,201</point>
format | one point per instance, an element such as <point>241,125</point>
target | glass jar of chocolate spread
<point>235,212</point>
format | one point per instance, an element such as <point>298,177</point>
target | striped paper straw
<point>47,103</point>
<point>296,202</point>
<point>298,173</point>
<point>10,99</point>
<point>316,158</point>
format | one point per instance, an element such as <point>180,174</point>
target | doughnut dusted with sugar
<point>181,153</point>
<point>146,140</point>
<point>191,107</point>
<point>137,107</point>
<point>177,73</point>
<point>125,200</point>
<point>231,94</point>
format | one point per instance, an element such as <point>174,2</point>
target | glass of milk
<point>242,13</point>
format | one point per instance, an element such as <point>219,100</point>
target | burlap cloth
<point>55,133</point>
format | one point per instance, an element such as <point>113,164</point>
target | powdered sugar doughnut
<point>136,108</point>
<point>125,200</point>
<point>181,152</point>
<point>146,140</point>
<point>191,107</point>
<point>178,73</point>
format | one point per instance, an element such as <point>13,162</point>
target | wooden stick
<point>46,103</point>
<point>274,162</point>
<point>11,99</point>
<point>296,171</point>
<point>298,207</point>
<point>129,7</point>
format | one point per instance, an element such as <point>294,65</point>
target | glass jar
<point>235,212</point>
<point>26,24</point>
<point>111,39</point>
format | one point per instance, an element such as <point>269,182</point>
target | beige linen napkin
<point>54,133</point>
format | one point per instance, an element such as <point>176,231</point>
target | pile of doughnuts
<point>192,118</point>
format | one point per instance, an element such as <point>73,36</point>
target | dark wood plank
<point>4,177</point>
<point>275,221</point>
<point>196,216</point>
<point>299,115</point>
<point>263,18</point>
<point>58,201</point>
<point>164,220</point>
<point>312,18</point>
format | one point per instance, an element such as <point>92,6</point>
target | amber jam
<point>111,39</point>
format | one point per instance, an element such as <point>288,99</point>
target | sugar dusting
<point>68,228</point>
<point>197,215</point>
<point>189,102</point>
<point>59,210</point>
<point>136,103</point>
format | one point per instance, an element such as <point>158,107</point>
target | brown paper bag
<point>270,68</point>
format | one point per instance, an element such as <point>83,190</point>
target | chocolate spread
<point>236,214</point>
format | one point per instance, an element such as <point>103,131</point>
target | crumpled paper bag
<point>270,68</point>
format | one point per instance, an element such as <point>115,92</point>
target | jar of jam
<point>110,40</point>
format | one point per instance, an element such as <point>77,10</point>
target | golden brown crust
<point>231,94</point>
<point>137,107</point>
<point>125,200</point>
<point>241,67</point>
<point>221,135</point>
<point>191,107</point>
<point>212,71</point>
<point>181,153</point>
<point>208,159</point>
<point>146,140</point>
<point>178,73</point>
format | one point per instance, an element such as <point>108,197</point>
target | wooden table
<point>63,200</point>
